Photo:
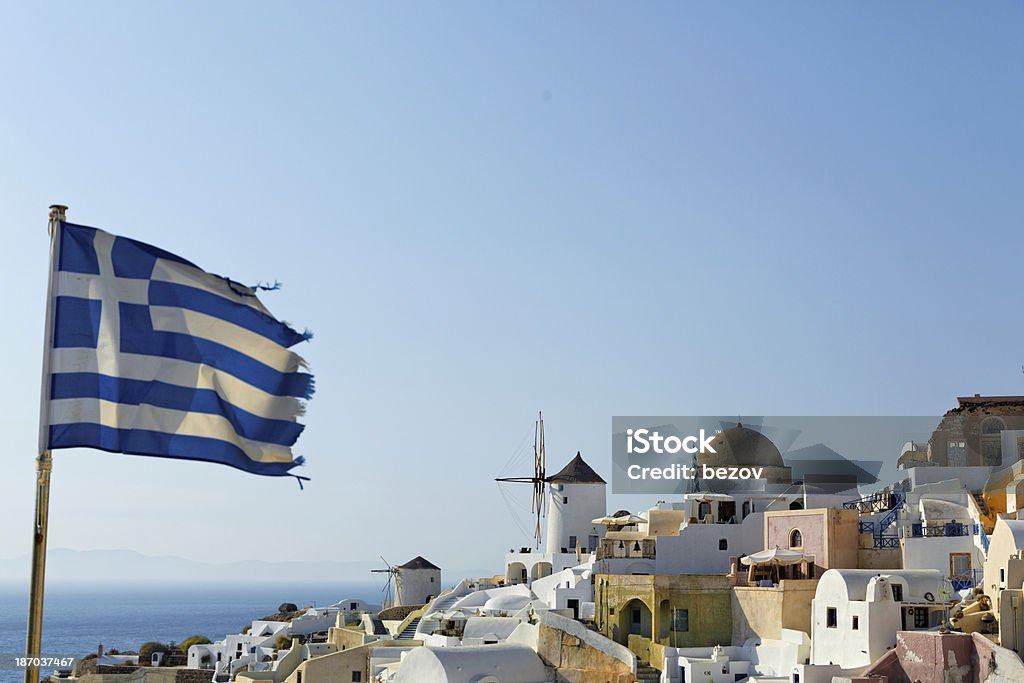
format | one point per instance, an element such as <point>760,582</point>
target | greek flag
<point>148,354</point>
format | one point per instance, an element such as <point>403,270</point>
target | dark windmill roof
<point>419,563</point>
<point>577,472</point>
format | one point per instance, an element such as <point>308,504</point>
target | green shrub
<point>147,650</point>
<point>193,640</point>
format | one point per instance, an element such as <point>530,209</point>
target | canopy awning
<point>775,555</point>
<point>619,521</point>
<point>707,496</point>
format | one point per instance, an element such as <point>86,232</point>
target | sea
<point>79,617</point>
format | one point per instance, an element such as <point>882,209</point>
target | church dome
<point>741,446</point>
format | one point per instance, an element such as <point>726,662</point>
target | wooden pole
<point>44,465</point>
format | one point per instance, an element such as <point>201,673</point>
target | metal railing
<point>876,502</point>
<point>950,529</point>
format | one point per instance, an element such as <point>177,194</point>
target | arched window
<point>796,505</point>
<point>992,425</point>
<point>796,540</point>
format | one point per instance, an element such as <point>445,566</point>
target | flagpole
<point>44,465</point>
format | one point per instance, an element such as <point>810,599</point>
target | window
<point>572,543</point>
<point>357,676</point>
<point>723,544</point>
<point>831,618</point>
<point>920,618</point>
<point>353,606</point>
<point>592,543</point>
<point>565,499</point>
<point>956,453</point>
<point>897,591</point>
<point>796,539</point>
<point>681,620</point>
<point>992,425</point>
<point>959,565</point>
<point>431,579</point>
<point>855,623</point>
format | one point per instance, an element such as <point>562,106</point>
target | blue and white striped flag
<point>148,354</point>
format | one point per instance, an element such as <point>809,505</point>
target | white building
<point>764,659</point>
<point>856,613</point>
<point>501,663</point>
<point>256,648</point>
<point>1004,580</point>
<point>941,529</point>
<point>570,589</point>
<point>576,496</point>
<point>723,526</point>
<point>417,582</point>
<point>240,649</point>
<point>350,609</point>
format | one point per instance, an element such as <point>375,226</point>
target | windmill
<point>392,573</point>
<point>538,480</point>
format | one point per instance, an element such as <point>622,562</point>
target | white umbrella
<point>707,495</point>
<point>774,555</point>
<point>630,519</point>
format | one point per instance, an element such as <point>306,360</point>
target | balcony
<point>947,530</point>
<point>625,548</point>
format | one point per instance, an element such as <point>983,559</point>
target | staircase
<point>409,632</point>
<point>982,505</point>
<point>646,672</point>
<point>887,505</point>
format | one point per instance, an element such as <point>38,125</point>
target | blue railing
<point>984,538</point>
<point>933,530</point>
<point>888,502</point>
<point>961,582</point>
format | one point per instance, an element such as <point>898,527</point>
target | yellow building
<point>680,611</point>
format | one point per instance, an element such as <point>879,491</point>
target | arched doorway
<point>540,570</point>
<point>516,573</point>
<point>635,619</point>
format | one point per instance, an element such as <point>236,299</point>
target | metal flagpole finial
<point>57,212</point>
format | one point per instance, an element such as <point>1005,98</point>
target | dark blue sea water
<point>78,618</point>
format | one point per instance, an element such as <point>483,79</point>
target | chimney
<point>99,650</point>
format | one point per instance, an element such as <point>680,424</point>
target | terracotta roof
<point>577,472</point>
<point>419,562</point>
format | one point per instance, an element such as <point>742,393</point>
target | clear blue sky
<point>487,209</point>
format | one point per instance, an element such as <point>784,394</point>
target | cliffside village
<point>769,581</point>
